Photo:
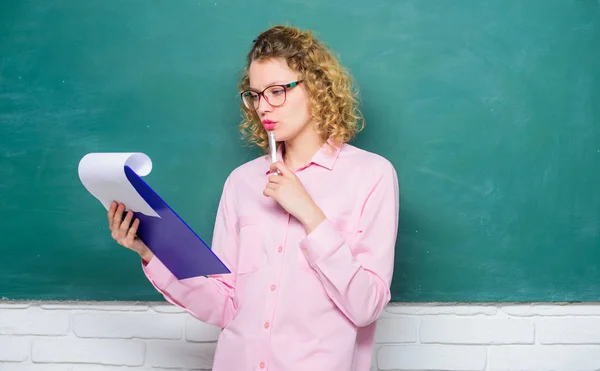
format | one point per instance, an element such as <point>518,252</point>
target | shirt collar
<point>325,157</point>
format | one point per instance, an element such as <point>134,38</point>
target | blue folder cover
<point>175,244</point>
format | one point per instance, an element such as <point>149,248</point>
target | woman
<point>309,239</point>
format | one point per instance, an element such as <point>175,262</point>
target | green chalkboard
<point>490,111</point>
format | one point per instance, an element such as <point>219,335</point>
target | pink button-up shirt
<point>295,301</point>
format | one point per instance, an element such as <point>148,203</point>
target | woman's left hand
<point>289,192</point>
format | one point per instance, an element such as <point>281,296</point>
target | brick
<point>461,330</point>
<point>7,304</point>
<point>173,354</point>
<point>108,368</point>
<point>166,308</point>
<point>551,310</point>
<point>431,357</point>
<point>544,357</point>
<point>106,352</point>
<point>397,330</point>
<point>120,307</point>
<point>196,330</point>
<point>434,309</point>
<point>128,325</point>
<point>568,330</point>
<point>33,321</point>
<point>35,367</point>
<point>376,348</point>
<point>14,349</point>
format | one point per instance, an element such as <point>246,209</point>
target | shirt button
<point>272,287</point>
<point>262,365</point>
<point>267,325</point>
<point>279,249</point>
<point>306,252</point>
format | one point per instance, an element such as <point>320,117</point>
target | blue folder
<point>175,244</point>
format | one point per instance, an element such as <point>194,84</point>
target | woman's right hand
<point>124,232</point>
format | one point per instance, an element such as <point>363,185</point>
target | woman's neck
<point>300,150</point>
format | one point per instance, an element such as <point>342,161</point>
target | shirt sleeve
<point>357,278</point>
<point>209,299</point>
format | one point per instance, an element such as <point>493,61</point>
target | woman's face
<point>293,117</point>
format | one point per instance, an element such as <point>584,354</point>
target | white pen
<point>272,146</point>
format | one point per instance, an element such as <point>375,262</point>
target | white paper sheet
<point>103,175</point>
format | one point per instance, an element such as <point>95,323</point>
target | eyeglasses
<point>275,95</point>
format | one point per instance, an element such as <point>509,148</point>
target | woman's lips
<point>269,125</point>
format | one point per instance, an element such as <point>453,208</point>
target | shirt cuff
<point>321,242</point>
<point>157,273</point>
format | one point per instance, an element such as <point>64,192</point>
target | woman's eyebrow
<point>276,82</point>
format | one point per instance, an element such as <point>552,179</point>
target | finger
<point>111,212</point>
<point>133,230</point>
<point>126,222</point>
<point>284,170</point>
<point>273,186</point>
<point>274,179</point>
<point>118,217</point>
<point>123,229</point>
<point>271,190</point>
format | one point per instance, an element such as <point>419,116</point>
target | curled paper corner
<point>140,163</point>
<point>103,175</point>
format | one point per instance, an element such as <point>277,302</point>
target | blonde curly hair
<point>333,102</point>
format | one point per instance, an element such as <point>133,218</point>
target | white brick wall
<point>42,336</point>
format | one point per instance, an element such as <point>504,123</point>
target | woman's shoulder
<point>366,161</point>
